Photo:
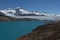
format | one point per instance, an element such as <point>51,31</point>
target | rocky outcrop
<point>49,31</point>
<point>2,14</point>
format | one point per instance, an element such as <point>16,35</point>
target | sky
<point>49,6</point>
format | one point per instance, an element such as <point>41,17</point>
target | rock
<point>49,31</point>
<point>2,14</point>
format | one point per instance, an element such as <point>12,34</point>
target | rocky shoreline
<point>50,31</point>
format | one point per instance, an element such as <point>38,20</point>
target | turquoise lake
<point>12,30</point>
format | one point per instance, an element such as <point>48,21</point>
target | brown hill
<point>46,32</point>
<point>6,18</point>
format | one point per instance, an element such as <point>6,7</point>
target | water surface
<point>12,30</point>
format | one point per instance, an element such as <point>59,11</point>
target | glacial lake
<point>13,30</point>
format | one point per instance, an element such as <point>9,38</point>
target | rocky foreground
<point>49,31</point>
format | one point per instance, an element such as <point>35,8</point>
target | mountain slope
<point>45,32</point>
<point>6,18</point>
<point>19,13</point>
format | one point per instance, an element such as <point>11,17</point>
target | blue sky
<point>49,6</point>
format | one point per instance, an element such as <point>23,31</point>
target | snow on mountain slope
<point>24,11</point>
<point>18,12</point>
<point>9,11</point>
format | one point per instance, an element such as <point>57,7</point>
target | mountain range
<point>20,13</point>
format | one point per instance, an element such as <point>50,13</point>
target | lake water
<point>12,30</point>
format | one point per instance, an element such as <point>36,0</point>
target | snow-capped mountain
<point>22,13</point>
